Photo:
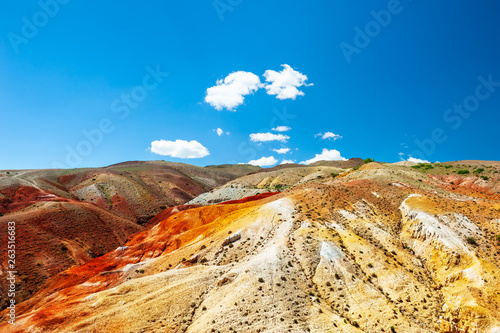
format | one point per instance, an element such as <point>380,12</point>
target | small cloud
<point>417,160</point>
<point>328,136</point>
<point>284,84</point>
<point>219,131</point>
<point>326,155</point>
<point>281,128</point>
<point>179,148</point>
<point>264,161</point>
<point>287,162</point>
<point>401,154</point>
<point>281,150</point>
<point>263,137</point>
<point>228,93</point>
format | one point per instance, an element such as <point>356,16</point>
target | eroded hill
<point>65,218</point>
<point>384,248</point>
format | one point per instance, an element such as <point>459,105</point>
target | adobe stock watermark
<point>223,6</point>
<point>11,272</point>
<point>122,107</point>
<point>455,117</point>
<point>363,37</point>
<point>31,26</point>
<point>249,148</point>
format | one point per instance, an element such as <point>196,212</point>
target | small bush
<point>334,174</point>
<point>498,238</point>
<point>471,240</point>
<point>261,280</point>
<point>478,170</point>
<point>484,177</point>
<point>463,172</point>
<point>447,166</point>
<point>369,160</point>
<point>370,265</point>
<point>393,329</point>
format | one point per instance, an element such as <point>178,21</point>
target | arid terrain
<point>68,217</point>
<point>331,247</point>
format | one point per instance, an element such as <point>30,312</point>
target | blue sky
<point>385,79</point>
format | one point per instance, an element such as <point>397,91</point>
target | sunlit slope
<point>378,249</point>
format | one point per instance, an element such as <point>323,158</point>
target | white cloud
<point>287,162</point>
<point>220,131</point>
<point>264,161</point>
<point>263,137</point>
<point>326,155</point>
<point>329,136</point>
<point>281,150</point>
<point>284,84</point>
<point>281,128</point>
<point>228,93</point>
<point>179,148</point>
<point>417,160</point>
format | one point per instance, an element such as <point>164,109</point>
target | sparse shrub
<point>337,276</point>
<point>64,248</point>
<point>334,174</point>
<point>393,329</point>
<point>261,280</point>
<point>478,170</point>
<point>355,324</point>
<point>369,160</point>
<point>463,172</point>
<point>370,265</point>
<point>471,240</point>
<point>447,166</point>
<point>484,177</point>
<point>498,238</point>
